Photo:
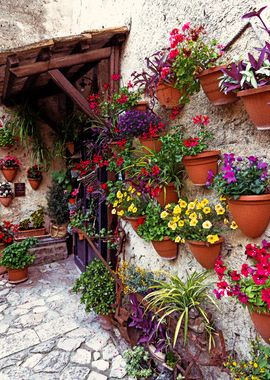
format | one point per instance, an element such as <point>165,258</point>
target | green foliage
<point>62,177</point>
<point>256,368</point>
<point>16,255</point>
<point>6,135</point>
<point>57,204</point>
<point>178,297</point>
<point>137,362</point>
<point>97,288</point>
<point>24,224</point>
<point>37,218</point>
<point>171,359</point>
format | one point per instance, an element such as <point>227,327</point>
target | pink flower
<point>266,296</point>
<point>174,31</point>
<point>75,192</point>
<point>245,270</point>
<point>186,26</point>
<point>116,77</point>
<point>235,276</point>
<point>173,53</point>
<point>201,119</point>
<point>260,277</point>
<point>165,72</point>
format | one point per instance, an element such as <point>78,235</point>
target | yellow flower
<point>182,203</point>
<point>133,190</point>
<point>219,209</point>
<point>139,193</point>
<point>207,210</point>
<point>204,202</point>
<point>134,210</point>
<point>222,198</point>
<point>199,206</point>
<point>183,240</point>
<point>207,224</point>
<point>131,207</point>
<point>212,238</point>
<point>181,223</point>
<point>129,189</point>
<point>129,198</point>
<point>115,203</point>
<point>233,225</point>
<point>193,215</point>
<point>119,195</point>
<point>167,206</point>
<point>177,210</point>
<point>164,214</point>
<point>225,221</point>
<point>177,239</point>
<point>120,213</point>
<point>175,219</point>
<point>187,212</point>
<point>113,211</point>
<point>125,194</point>
<point>191,205</point>
<point>234,364</point>
<point>172,226</point>
<point>255,365</point>
<point>193,222</point>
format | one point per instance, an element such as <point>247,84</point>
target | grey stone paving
<point>45,333</point>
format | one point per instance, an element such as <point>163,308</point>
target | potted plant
<point>198,161</point>
<point>250,286</point>
<point>17,258</point>
<point>7,230</point>
<point>137,363</point>
<point>57,209</point>
<point>34,175</point>
<point>161,234</point>
<point>6,194</point>
<point>9,166</point>
<point>250,79</point>
<point>83,223</point>
<point>33,226</point>
<point>244,181</point>
<point>6,135</point>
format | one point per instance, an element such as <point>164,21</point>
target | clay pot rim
<point>206,153</point>
<point>165,84</point>
<point>134,217</point>
<point>9,196</point>
<point>250,198</point>
<point>11,168</point>
<point>34,179</point>
<point>205,243</point>
<point>165,238</point>
<point>141,102</point>
<point>149,138</point>
<point>211,70</point>
<point>252,91</point>
<point>255,310</point>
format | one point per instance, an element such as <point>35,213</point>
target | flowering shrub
<point>250,286</point>
<point>196,220</point>
<point>6,190</point>
<point>34,173</point>
<point>7,230</point>
<point>198,144</point>
<point>134,123</point>
<point>6,134</point>
<point>241,176</point>
<point>126,200</point>
<point>10,162</point>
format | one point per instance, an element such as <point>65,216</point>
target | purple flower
<point>209,178</point>
<point>239,159</point>
<point>217,294</point>
<point>262,165</point>
<point>243,298</point>
<point>230,177</point>
<point>252,159</point>
<point>229,158</point>
<point>134,123</point>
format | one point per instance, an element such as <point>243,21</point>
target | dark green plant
<point>62,177</point>
<point>24,224</point>
<point>37,218</point>
<point>137,364</point>
<point>57,208</point>
<point>171,359</point>
<point>97,288</point>
<point>6,135</point>
<point>17,256</point>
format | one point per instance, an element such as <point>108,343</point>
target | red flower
<point>186,26</point>
<point>90,189</point>
<point>130,84</point>
<point>104,186</point>
<point>235,276</point>
<point>140,221</point>
<point>266,296</point>
<point>201,119</point>
<point>245,270</point>
<point>173,53</point>
<point>260,277</point>
<point>165,72</point>
<point>220,268</point>
<point>116,77</point>
<point>119,161</point>
<point>155,192</point>
<point>106,86</point>
<point>175,112</point>
<point>191,142</point>
<point>121,142</point>
<point>123,99</point>
<point>155,170</point>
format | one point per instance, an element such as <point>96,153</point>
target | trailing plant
<point>241,176</point>
<point>35,172</point>
<point>57,208</point>
<point>17,256</point>
<point>137,362</point>
<point>97,288</point>
<point>7,230</point>
<point>6,136</point>
<point>176,297</point>
<point>85,222</point>
<point>251,285</point>
<point>6,190</point>
<point>10,162</point>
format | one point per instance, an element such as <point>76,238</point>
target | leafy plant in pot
<point>17,258</point>
<point>6,194</point>
<point>34,175</point>
<point>250,79</point>
<point>9,166</point>
<point>83,223</point>
<point>7,231</point>
<point>245,181</point>
<point>57,209</point>
<point>197,160</point>
<point>33,226</point>
<point>250,286</point>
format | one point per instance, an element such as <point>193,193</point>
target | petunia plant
<point>241,176</point>
<point>10,162</point>
<point>251,285</point>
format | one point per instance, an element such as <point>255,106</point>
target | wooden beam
<point>71,91</point>
<point>60,62</point>
<point>9,79</point>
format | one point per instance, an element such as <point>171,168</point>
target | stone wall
<point>150,22</point>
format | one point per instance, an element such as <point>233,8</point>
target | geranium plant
<point>199,143</point>
<point>34,172</point>
<point>7,230</point>
<point>6,190</point>
<point>10,162</point>
<point>241,176</point>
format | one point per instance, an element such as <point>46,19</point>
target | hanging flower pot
<point>80,234</point>
<point>166,248</point>
<point>34,183</point>
<point>167,95</point>
<point>257,105</point>
<point>2,268</point>
<point>261,322</point>
<point>70,147</point>
<point>9,173</point>
<point>205,253</point>
<point>168,194</point>
<point>251,213</point>
<point>141,106</point>
<point>152,143</point>
<point>5,201</point>
<point>209,80</point>
<point>135,221</point>
<point>199,165</point>
<point>16,276</point>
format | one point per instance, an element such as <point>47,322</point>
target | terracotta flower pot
<point>261,322</point>
<point>151,143</point>
<point>167,249</point>
<point>256,102</point>
<point>251,213</point>
<point>209,80</point>
<point>205,253</point>
<point>142,106</point>
<point>33,232</point>
<point>2,268</point>
<point>58,231</point>
<point>135,221</point>
<point>168,194</point>
<point>198,166</point>
<point>70,147</point>
<point>9,173</point>
<point>167,95</point>
<point>5,201</point>
<point>15,276</point>
<point>35,183</point>
<point>80,235</point>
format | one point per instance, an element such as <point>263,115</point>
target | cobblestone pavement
<point>45,333</point>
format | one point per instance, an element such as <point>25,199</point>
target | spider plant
<point>176,297</point>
